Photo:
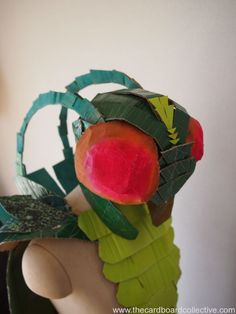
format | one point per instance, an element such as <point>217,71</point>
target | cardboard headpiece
<point>178,138</point>
<point>135,150</point>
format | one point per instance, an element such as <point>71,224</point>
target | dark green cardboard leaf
<point>43,178</point>
<point>135,111</point>
<point>110,215</point>
<point>181,120</point>
<point>176,169</point>
<point>181,116</point>
<point>170,188</point>
<point>139,92</point>
<point>54,201</point>
<point>175,153</point>
<point>65,173</point>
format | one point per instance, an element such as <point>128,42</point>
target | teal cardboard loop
<point>63,133</point>
<point>87,111</point>
<point>20,167</point>
<point>50,98</point>
<point>84,80</point>
<point>42,101</point>
<point>122,79</point>
<point>69,101</point>
<point>20,142</point>
<point>101,77</point>
<point>73,87</point>
<point>82,106</point>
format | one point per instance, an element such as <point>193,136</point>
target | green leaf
<point>110,215</point>
<point>137,291</point>
<point>174,184</point>
<point>65,173</point>
<point>43,178</point>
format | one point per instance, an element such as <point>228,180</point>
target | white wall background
<point>184,49</point>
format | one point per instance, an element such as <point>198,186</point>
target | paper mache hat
<point>42,211</point>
